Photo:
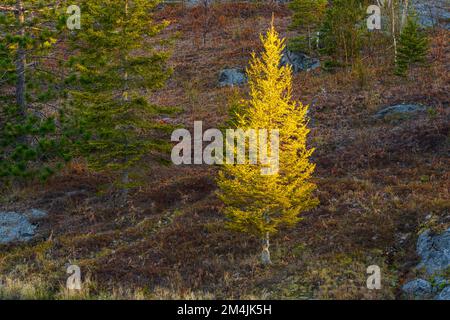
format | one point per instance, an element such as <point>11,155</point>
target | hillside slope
<point>380,182</point>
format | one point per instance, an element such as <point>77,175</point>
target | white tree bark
<point>265,255</point>
<point>394,37</point>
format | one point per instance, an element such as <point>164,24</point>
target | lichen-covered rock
<point>299,61</point>
<point>17,227</point>
<point>418,289</point>
<point>444,295</point>
<point>440,282</point>
<point>433,13</point>
<point>232,77</point>
<point>434,251</point>
<point>399,109</point>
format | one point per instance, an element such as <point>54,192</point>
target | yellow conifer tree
<point>256,203</point>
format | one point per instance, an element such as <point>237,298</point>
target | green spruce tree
<point>33,139</point>
<point>307,15</point>
<point>412,47</point>
<point>115,69</point>
<point>342,32</point>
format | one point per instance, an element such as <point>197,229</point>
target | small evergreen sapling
<point>412,47</point>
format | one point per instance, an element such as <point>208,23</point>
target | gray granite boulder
<point>418,289</point>
<point>434,251</point>
<point>433,13</point>
<point>232,77</point>
<point>18,227</point>
<point>399,109</point>
<point>441,282</point>
<point>444,295</point>
<point>299,61</point>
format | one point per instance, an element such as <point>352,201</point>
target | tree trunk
<point>309,41</point>
<point>393,29</point>
<point>206,21</point>
<point>125,181</point>
<point>265,254</point>
<point>21,61</point>
<point>125,174</point>
<point>405,13</point>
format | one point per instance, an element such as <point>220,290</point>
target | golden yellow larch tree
<point>257,203</point>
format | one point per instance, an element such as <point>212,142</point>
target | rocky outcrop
<point>232,77</point>
<point>299,61</point>
<point>444,295</point>
<point>434,250</point>
<point>19,227</point>
<point>433,13</point>
<point>418,289</point>
<point>400,109</point>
